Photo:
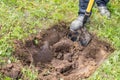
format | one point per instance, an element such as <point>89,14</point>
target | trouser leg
<point>83,6</point>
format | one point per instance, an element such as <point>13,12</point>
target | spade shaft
<point>88,10</point>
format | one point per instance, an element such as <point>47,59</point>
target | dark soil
<point>52,51</point>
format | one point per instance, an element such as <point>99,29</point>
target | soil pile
<point>57,57</point>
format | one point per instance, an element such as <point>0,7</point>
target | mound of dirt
<point>58,58</point>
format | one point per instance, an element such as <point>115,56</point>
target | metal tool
<point>82,35</point>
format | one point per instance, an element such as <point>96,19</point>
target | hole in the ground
<point>53,49</point>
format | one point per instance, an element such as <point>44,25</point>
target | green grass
<point>20,18</point>
<point>29,73</point>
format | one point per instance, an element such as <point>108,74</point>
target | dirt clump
<point>58,58</point>
<point>12,70</point>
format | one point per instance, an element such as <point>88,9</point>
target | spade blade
<point>82,36</point>
<point>85,37</point>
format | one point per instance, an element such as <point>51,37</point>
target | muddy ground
<point>56,57</point>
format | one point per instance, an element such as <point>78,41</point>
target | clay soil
<point>56,57</point>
